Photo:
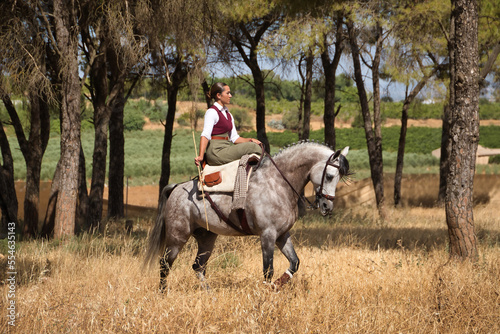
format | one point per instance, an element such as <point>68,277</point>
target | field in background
<point>143,152</point>
<point>357,275</point>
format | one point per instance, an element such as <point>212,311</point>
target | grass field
<point>357,275</point>
<point>143,152</point>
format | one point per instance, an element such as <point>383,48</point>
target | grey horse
<point>271,209</point>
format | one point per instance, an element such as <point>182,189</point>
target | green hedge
<point>421,140</point>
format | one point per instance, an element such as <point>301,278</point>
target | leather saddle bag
<point>212,179</point>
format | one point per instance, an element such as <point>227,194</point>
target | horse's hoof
<point>284,279</point>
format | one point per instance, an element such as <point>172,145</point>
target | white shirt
<point>212,117</point>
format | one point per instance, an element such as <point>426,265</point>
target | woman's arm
<point>246,140</point>
<point>203,147</point>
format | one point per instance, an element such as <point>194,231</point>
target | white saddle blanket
<point>228,175</point>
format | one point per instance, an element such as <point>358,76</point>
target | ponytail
<point>217,88</point>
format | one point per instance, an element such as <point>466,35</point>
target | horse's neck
<point>296,165</point>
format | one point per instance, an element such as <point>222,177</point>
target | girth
<point>245,229</point>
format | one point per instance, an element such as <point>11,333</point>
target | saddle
<point>223,178</point>
<point>231,178</point>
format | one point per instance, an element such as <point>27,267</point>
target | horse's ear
<point>344,151</point>
<point>336,155</point>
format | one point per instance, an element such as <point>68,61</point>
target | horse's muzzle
<point>326,206</point>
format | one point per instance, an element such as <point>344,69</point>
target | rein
<point>302,197</point>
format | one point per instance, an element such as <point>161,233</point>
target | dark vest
<point>224,125</point>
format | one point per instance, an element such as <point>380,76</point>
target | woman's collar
<point>219,106</point>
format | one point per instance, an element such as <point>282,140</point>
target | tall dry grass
<point>357,275</point>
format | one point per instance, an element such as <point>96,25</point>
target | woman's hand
<point>198,160</point>
<point>256,141</point>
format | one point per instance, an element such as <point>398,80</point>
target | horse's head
<point>326,175</point>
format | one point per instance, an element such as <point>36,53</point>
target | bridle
<point>329,162</point>
<point>319,193</point>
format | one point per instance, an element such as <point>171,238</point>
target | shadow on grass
<point>424,239</point>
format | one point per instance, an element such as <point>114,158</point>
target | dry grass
<point>357,275</point>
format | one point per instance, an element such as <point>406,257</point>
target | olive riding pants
<point>220,152</point>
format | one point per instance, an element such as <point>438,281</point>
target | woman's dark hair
<point>217,88</point>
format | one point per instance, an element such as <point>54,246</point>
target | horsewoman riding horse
<point>271,209</point>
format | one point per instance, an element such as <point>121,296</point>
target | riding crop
<point>201,181</point>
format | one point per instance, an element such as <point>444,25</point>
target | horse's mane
<point>344,170</point>
<point>300,144</point>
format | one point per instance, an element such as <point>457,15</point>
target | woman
<point>219,132</point>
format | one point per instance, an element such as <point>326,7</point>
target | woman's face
<point>225,96</point>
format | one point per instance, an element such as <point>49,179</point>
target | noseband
<point>329,162</point>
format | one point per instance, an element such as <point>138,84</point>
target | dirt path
<point>417,190</point>
<point>316,121</point>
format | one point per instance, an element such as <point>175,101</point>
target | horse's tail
<point>157,237</point>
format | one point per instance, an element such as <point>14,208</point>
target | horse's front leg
<point>284,243</point>
<point>267,240</point>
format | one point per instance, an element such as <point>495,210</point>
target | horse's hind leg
<point>284,243</point>
<point>206,242</point>
<point>166,263</point>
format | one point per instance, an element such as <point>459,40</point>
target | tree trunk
<point>99,84</point>
<point>33,154</point>
<point>402,135</point>
<point>8,198</point>
<point>260,96</point>
<point>66,35</point>
<point>374,144</point>
<point>177,78</point>
<point>82,207</point>
<point>50,215</point>
<point>206,91</point>
<point>116,168</point>
<point>464,132</point>
<point>330,71</point>
<point>300,112</point>
<point>251,61</point>
<point>32,150</point>
<point>167,140</point>
<point>116,157</point>
<point>445,133</point>
<point>306,125</point>
<point>445,154</point>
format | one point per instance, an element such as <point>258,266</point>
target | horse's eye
<point>329,177</point>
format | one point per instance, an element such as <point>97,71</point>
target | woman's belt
<point>220,138</point>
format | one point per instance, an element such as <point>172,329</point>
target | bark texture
<point>66,36</point>
<point>8,199</point>
<point>330,69</point>
<point>373,138</point>
<point>464,132</point>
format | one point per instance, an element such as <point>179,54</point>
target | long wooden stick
<point>201,182</point>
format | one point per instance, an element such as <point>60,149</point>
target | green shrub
<point>488,110</point>
<point>489,136</point>
<point>243,101</point>
<point>157,112</point>
<point>183,120</point>
<point>133,118</point>
<point>291,119</point>
<point>495,159</point>
<point>241,118</point>
<point>358,121</point>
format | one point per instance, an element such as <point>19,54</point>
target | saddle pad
<point>227,174</point>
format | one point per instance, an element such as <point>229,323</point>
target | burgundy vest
<point>223,125</point>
